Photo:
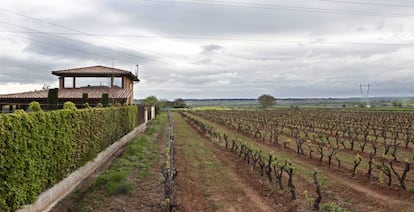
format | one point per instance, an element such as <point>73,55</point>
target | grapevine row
<point>312,138</point>
<point>268,165</point>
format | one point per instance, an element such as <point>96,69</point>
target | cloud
<point>210,19</point>
<point>63,47</point>
<point>210,48</point>
<point>23,70</point>
<point>193,50</point>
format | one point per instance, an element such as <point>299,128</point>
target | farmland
<point>362,160</point>
<point>260,160</point>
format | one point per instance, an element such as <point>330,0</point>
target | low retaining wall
<point>49,198</point>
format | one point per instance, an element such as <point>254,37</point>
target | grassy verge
<point>134,164</point>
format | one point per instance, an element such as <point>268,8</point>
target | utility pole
<point>365,94</point>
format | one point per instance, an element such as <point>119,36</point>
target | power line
<point>63,46</point>
<point>219,39</point>
<point>69,29</point>
<point>368,3</point>
<point>284,7</point>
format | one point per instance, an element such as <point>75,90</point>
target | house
<point>75,83</point>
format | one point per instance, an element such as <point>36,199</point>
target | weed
<point>115,182</point>
<point>122,187</point>
<point>332,207</point>
<point>218,205</point>
<point>137,158</point>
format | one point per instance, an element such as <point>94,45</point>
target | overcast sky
<point>215,49</point>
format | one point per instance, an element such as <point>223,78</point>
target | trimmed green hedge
<point>39,149</point>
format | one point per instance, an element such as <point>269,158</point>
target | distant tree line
<point>159,104</point>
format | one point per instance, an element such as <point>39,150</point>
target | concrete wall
<point>52,196</point>
<point>146,114</point>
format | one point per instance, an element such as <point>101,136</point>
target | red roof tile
<point>73,93</point>
<point>95,71</point>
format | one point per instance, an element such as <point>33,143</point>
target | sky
<point>215,48</point>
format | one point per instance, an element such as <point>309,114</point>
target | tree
<point>266,100</point>
<point>53,99</point>
<point>179,103</point>
<point>85,98</point>
<point>105,99</point>
<point>152,101</point>
<point>397,104</point>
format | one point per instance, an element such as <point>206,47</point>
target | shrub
<point>99,105</point>
<point>53,99</point>
<point>86,105</point>
<point>35,106</point>
<point>38,150</point>
<point>85,98</point>
<point>105,99</point>
<point>19,112</point>
<point>69,106</point>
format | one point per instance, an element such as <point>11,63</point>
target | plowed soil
<point>350,193</point>
<point>209,179</point>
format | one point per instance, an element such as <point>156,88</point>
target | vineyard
<point>354,160</point>
<point>229,160</point>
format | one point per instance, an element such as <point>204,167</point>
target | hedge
<point>39,149</point>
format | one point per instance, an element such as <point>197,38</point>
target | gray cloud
<point>210,48</point>
<point>296,54</point>
<point>63,47</point>
<point>25,71</point>
<point>207,19</point>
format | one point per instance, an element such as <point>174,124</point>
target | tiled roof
<point>95,71</point>
<point>73,93</point>
<point>32,95</point>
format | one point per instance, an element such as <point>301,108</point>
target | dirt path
<point>206,180</point>
<point>354,195</point>
<point>147,188</point>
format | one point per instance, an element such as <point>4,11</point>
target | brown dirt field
<point>267,190</point>
<point>210,180</point>
<point>355,195</point>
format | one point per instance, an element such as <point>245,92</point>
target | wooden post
<point>10,108</point>
<point>1,108</point>
<point>74,82</point>
<point>112,82</point>
<point>61,82</point>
